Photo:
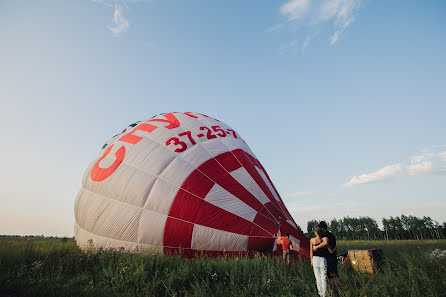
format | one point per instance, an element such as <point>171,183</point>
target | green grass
<point>56,267</point>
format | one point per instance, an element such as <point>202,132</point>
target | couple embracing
<point>324,260</point>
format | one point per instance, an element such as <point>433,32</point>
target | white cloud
<point>385,173</point>
<point>295,9</point>
<point>274,28</point>
<point>329,9</point>
<point>419,168</point>
<point>418,165</point>
<point>121,24</point>
<point>298,194</point>
<point>339,31</point>
<point>340,14</point>
<point>419,158</point>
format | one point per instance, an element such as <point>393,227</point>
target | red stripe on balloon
<point>260,166</point>
<point>278,204</point>
<point>247,163</point>
<point>260,244</point>
<point>190,208</point>
<point>228,161</point>
<point>177,233</point>
<point>231,163</point>
<point>267,224</point>
<point>216,172</point>
<point>279,215</point>
<point>198,184</point>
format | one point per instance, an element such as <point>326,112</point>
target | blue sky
<point>343,102</point>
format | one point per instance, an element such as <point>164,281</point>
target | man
<point>329,240</point>
<point>286,246</point>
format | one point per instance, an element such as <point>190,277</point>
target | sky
<point>343,101</point>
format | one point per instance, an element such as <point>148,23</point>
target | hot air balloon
<point>181,182</point>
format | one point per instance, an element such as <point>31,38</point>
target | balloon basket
<point>365,261</point>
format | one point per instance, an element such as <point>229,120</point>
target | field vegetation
<point>56,267</point>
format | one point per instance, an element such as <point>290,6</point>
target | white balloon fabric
<point>181,182</point>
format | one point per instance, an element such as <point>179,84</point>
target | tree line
<point>402,227</point>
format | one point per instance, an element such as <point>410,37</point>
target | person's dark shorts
<point>332,267</point>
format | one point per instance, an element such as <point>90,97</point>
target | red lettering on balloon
<point>191,115</point>
<point>170,118</point>
<point>133,139</point>
<point>98,174</point>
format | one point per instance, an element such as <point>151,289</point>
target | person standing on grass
<point>319,262</point>
<point>329,242</point>
<point>286,246</point>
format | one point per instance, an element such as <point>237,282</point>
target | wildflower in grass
<point>124,268</point>
<point>438,254</point>
<point>214,276</point>
<point>35,266</point>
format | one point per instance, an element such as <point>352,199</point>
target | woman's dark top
<point>321,252</point>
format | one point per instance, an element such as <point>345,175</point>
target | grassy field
<point>56,267</point>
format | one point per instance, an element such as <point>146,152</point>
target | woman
<point>319,262</point>
<point>328,240</point>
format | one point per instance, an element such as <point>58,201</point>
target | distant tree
<point>403,227</point>
<point>311,225</point>
<point>335,228</point>
<point>371,227</point>
<point>386,228</point>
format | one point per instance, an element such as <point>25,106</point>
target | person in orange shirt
<point>287,245</point>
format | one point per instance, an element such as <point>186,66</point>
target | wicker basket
<point>365,261</point>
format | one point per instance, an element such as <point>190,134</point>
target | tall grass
<point>56,267</point>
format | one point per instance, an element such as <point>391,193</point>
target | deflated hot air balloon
<point>181,183</point>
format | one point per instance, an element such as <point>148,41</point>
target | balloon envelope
<point>181,182</point>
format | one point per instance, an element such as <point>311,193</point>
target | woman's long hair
<point>319,231</point>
